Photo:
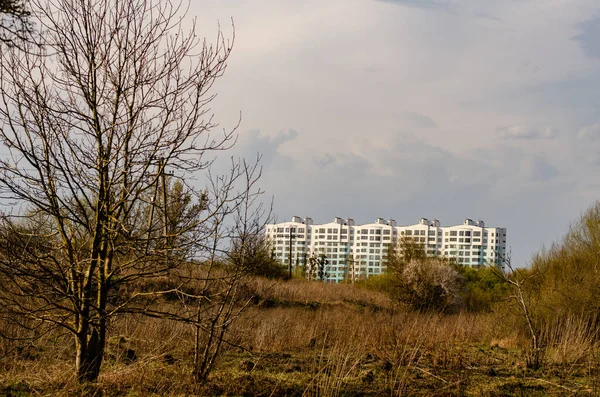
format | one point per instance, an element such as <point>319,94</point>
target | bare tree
<point>15,23</point>
<point>235,229</point>
<point>116,97</point>
<point>519,282</point>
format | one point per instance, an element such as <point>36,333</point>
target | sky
<point>405,109</point>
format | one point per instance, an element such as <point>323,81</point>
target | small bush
<point>429,285</point>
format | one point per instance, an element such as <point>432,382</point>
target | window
<point>422,232</point>
<point>476,234</point>
<point>409,232</point>
<point>432,232</point>
<point>453,233</point>
<point>468,233</point>
<point>386,232</point>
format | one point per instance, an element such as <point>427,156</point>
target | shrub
<point>482,288</point>
<point>429,285</point>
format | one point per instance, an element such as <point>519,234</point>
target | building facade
<point>355,251</point>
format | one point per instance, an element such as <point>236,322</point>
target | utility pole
<point>165,198</point>
<point>292,230</point>
<point>152,204</point>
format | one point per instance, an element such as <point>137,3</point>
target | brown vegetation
<point>309,338</point>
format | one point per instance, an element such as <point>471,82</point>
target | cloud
<point>446,5</point>
<point>447,71</point>
<point>589,133</point>
<point>254,142</point>
<point>536,168</point>
<point>587,143</point>
<point>589,38</point>
<point>527,132</point>
<point>417,120</point>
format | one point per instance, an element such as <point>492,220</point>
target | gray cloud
<point>446,5</point>
<point>417,120</point>
<point>536,168</point>
<point>346,84</point>
<point>411,178</point>
<point>589,38</point>
<point>589,133</point>
<point>488,17</point>
<point>587,143</point>
<point>328,159</point>
<point>526,132</point>
<point>254,142</point>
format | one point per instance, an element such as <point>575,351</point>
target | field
<point>308,338</point>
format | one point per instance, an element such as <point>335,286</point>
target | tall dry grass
<point>312,339</point>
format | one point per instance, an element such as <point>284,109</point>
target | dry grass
<point>314,339</point>
<point>307,293</point>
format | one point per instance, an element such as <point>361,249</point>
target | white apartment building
<point>360,250</point>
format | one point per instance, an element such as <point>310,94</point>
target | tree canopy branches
<point>15,24</point>
<point>98,120</point>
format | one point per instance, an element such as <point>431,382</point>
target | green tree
<point>482,287</point>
